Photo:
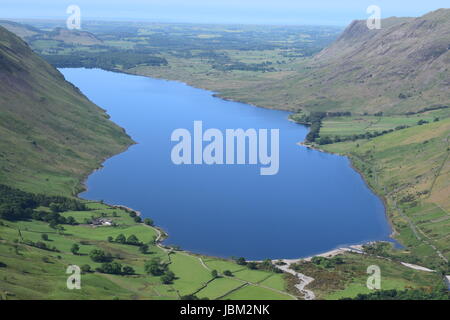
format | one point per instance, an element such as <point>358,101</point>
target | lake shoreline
<point>352,165</point>
<point>215,95</point>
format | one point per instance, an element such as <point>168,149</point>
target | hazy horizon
<point>265,12</point>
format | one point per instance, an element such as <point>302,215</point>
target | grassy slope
<point>410,169</point>
<point>360,124</point>
<point>28,276</point>
<point>52,135</point>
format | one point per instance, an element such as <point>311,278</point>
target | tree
<point>155,267</point>
<point>110,268</point>
<point>137,219</point>
<point>133,240</point>
<point>127,270</point>
<point>143,248</point>
<point>71,221</point>
<point>168,277</point>
<point>98,255</point>
<point>53,224</point>
<point>55,207</point>
<point>252,265</point>
<point>110,239</point>
<point>421,122</point>
<point>75,249</point>
<point>121,239</point>
<point>44,237</point>
<point>214,274</point>
<point>85,268</point>
<point>228,273</point>
<point>148,222</point>
<point>325,140</point>
<point>241,261</point>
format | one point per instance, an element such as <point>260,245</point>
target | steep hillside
<point>52,136</point>
<point>410,169</point>
<point>402,67</point>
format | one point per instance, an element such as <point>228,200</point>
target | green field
<point>349,126</point>
<point>410,168</point>
<point>33,273</point>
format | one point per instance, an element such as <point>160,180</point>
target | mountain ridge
<point>404,65</point>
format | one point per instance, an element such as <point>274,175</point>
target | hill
<point>402,67</point>
<point>52,135</point>
<point>61,35</point>
<point>73,37</point>
<point>410,169</point>
<point>22,30</point>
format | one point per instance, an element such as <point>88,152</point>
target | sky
<point>297,12</point>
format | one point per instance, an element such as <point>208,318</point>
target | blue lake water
<point>315,203</point>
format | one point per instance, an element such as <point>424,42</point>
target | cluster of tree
<point>421,122</point>
<point>367,135</point>
<point>266,265</point>
<point>115,268</point>
<point>19,205</point>
<point>132,240</point>
<point>263,67</point>
<point>149,222</point>
<point>156,267</point>
<point>327,262</point>
<point>409,294</point>
<point>108,265</point>
<point>64,204</point>
<point>407,198</point>
<point>100,256</point>
<point>315,120</point>
<point>40,245</point>
<point>378,249</point>
<point>53,218</point>
<point>432,108</point>
<point>135,216</point>
<point>85,268</point>
<point>339,114</point>
<point>228,273</point>
<point>75,249</point>
<point>110,60</point>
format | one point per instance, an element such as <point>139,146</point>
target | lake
<point>315,203</point>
